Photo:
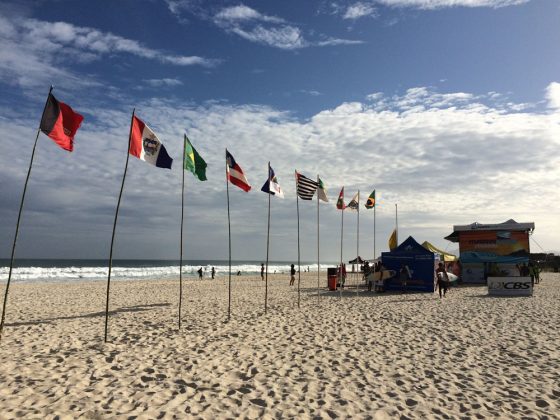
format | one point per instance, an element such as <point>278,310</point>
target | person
<point>292,275</point>
<point>213,273</point>
<point>404,276</point>
<point>239,273</point>
<point>537,273</point>
<point>442,280</point>
<point>343,275</point>
<point>262,271</point>
<point>200,273</point>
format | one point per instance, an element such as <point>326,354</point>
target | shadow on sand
<point>136,308</point>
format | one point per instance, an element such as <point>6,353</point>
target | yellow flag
<point>393,240</point>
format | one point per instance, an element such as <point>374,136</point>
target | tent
<point>420,261</point>
<point>357,260</point>
<point>443,256</point>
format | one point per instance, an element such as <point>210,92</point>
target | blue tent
<point>420,261</point>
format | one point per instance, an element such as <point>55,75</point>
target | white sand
<point>371,356</point>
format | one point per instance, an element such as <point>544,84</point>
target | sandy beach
<point>360,355</point>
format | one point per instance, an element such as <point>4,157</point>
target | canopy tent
<point>358,260</point>
<point>421,263</point>
<point>444,256</point>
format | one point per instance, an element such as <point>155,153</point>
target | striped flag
<point>145,145</point>
<point>305,187</point>
<point>235,174</point>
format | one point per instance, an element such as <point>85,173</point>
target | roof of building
<point>508,225</point>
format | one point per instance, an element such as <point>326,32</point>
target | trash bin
<point>331,278</point>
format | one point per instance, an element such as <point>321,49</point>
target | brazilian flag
<point>370,203</point>
<point>193,161</point>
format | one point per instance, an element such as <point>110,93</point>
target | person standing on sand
<point>404,276</point>
<point>442,280</point>
<point>199,273</point>
<point>292,275</point>
<point>262,271</point>
<point>213,273</point>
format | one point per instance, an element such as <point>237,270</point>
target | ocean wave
<point>31,274</point>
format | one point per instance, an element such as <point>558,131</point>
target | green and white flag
<point>322,191</point>
<point>193,161</point>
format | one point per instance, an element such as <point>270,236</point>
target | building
<point>491,249</point>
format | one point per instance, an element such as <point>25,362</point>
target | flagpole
<point>115,227</point>
<point>267,246</point>
<point>358,247</point>
<point>229,242</point>
<point>341,236</point>
<point>397,224</point>
<point>182,219</point>
<point>298,246</point>
<point>374,250</point>
<point>19,217</point>
<point>318,244</point>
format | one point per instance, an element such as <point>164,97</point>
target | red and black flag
<point>60,123</point>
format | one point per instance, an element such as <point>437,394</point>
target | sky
<point>449,109</point>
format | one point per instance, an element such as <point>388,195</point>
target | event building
<point>491,249</point>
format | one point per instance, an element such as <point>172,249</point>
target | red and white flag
<point>235,174</point>
<point>145,145</point>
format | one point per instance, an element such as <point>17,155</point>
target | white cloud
<point>553,95</point>
<point>440,4</point>
<point>272,31</point>
<point>446,158</point>
<point>163,82</point>
<point>359,10</point>
<point>244,13</point>
<point>35,52</point>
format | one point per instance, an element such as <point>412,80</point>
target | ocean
<point>45,270</point>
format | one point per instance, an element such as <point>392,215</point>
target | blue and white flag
<point>271,185</point>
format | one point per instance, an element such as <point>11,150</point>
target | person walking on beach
<point>213,273</point>
<point>199,273</point>
<point>404,276</point>
<point>292,275</point>
<point>262,271</point>
<point>442,280</point>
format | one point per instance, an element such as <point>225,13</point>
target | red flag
<point>340,202</point>
<point>60,123</point>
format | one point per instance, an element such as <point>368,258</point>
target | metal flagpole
<point>267,246</point>
<point>298,247</point>
<point>182,218</point>
<point>341,236</point>
<point>374,250</point>
<point>397,224</point>
<point>115,227</point>
<point>229,242</point>
<point>358,246</point>
<point>318,255</point>
<point>19,218</point>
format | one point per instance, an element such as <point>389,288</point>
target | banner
<point>510,286</point>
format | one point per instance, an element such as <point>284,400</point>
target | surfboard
<point>387,274</point>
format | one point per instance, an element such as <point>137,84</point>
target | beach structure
<point>420,261</point>
<point>491,249</point>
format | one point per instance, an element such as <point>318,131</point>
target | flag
<point>322,191</point>
<point>60,123</point>
<point>145,145</point>
<point>370,203</point>
<point>393,240</point>
<point>340,202</point>
<point>271,185</point>
<point>235,174</point>
<point>355,202</point>
<point>193,161</point>
<point>305,187</point>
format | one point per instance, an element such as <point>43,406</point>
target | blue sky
<point>450,108</point>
